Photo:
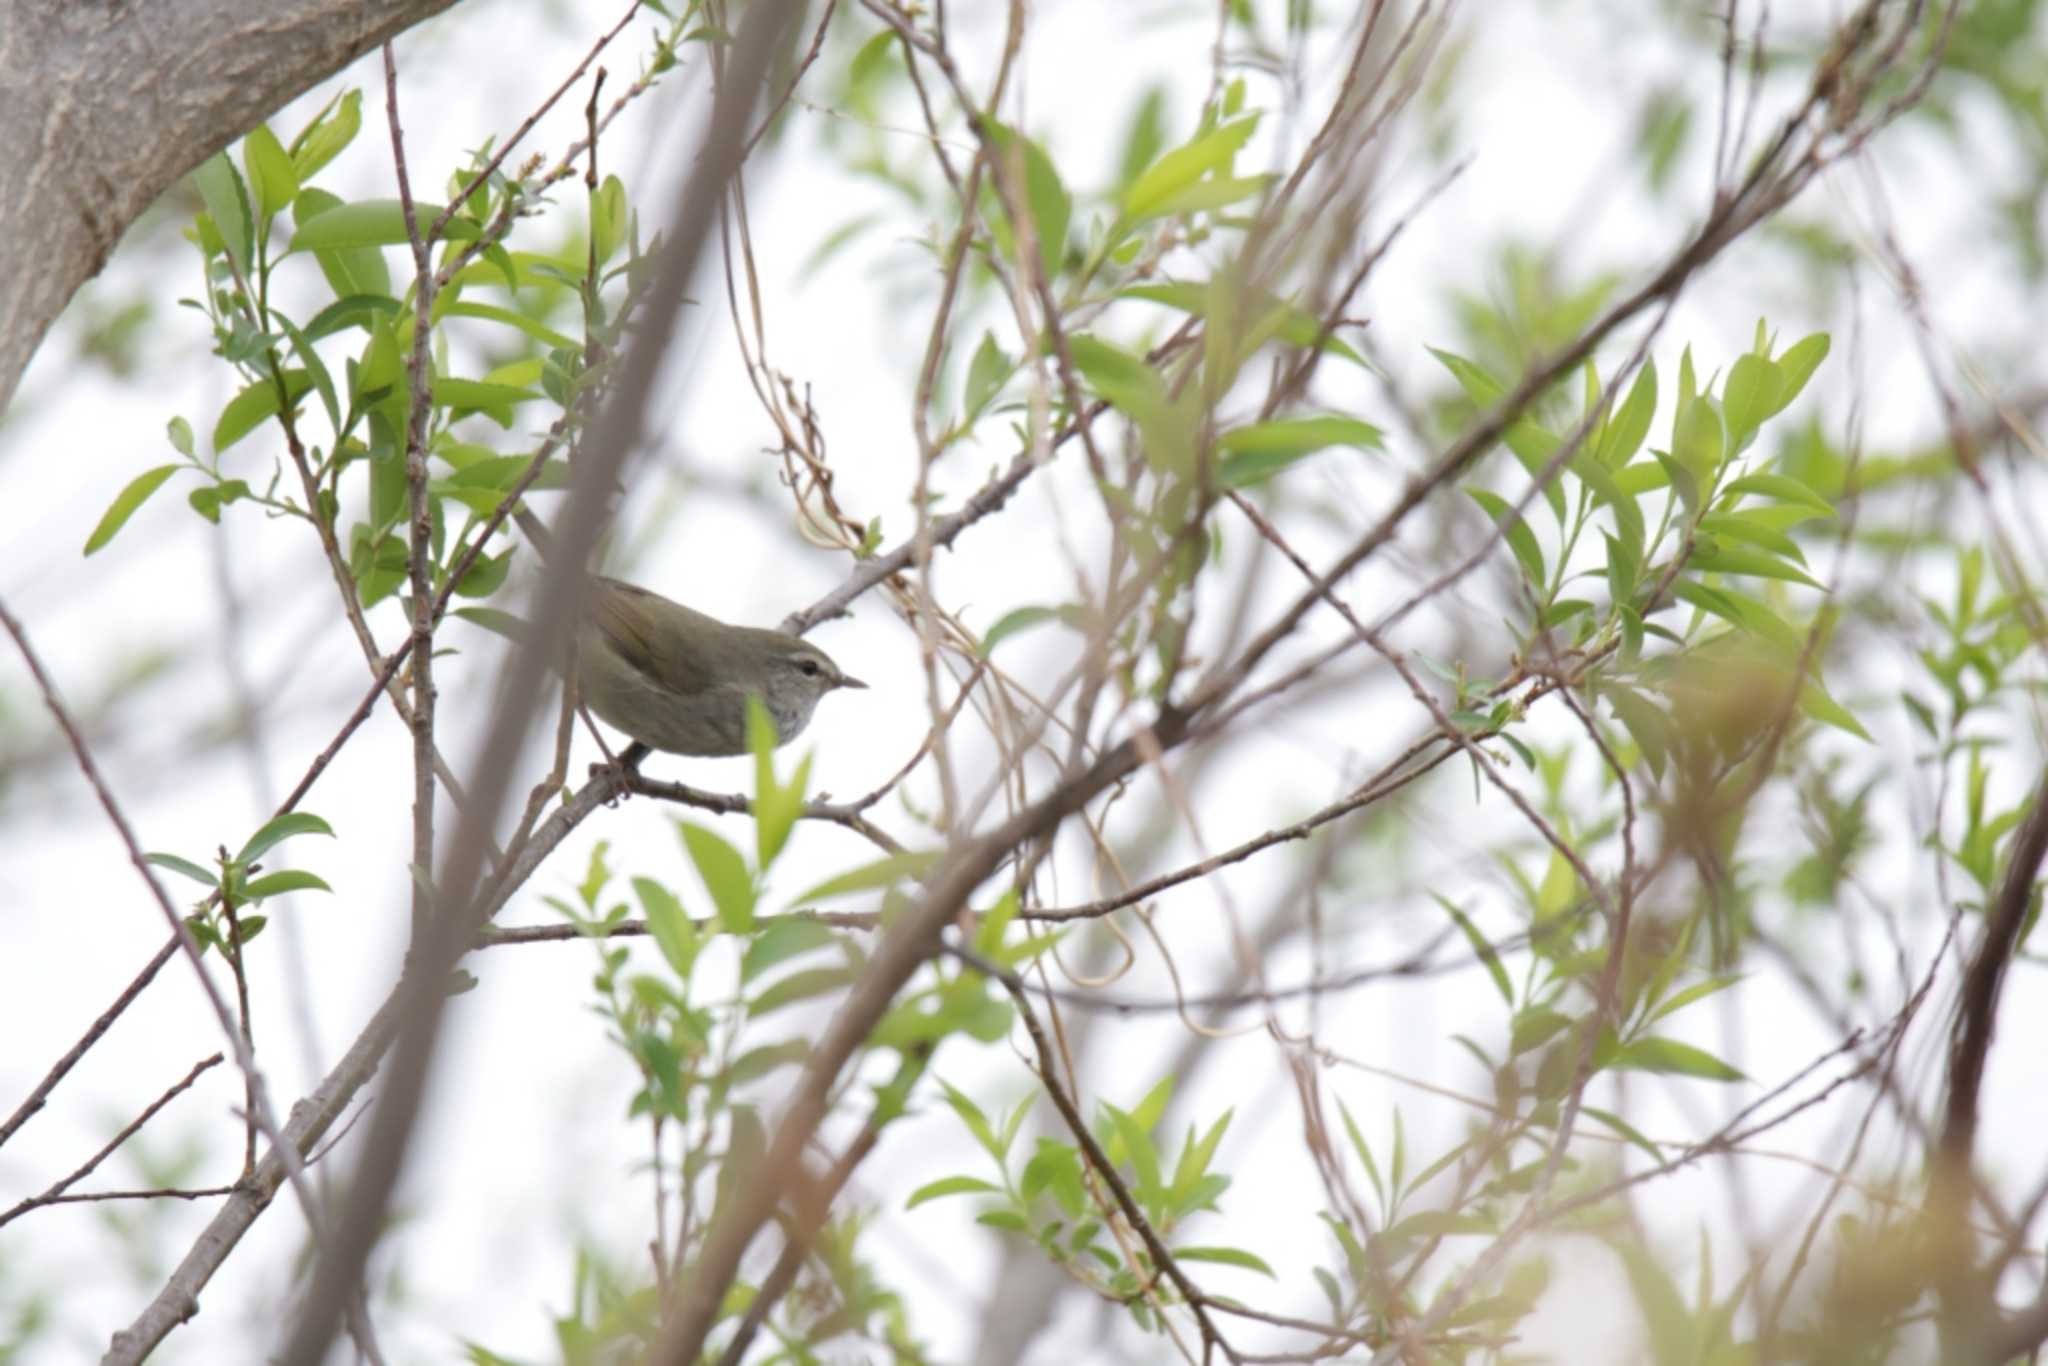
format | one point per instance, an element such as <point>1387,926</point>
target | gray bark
<point>105,103</point>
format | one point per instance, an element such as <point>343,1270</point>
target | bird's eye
<point>808,667</point>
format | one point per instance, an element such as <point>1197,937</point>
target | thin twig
<point>56,1192</point>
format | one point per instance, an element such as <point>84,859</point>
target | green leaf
<point>256,403</point>
<point>776,807</point>
<point>272,177</point>
<point>185,866</point>
<point>1623,570</point>
<point>1023,619</point>
<point>354,310</point>
<point>1258,452</point>
<point>1184,165</point>
<point>1054,1167</point>
<point>1686,484</point>
<point>976,1013</point>
<point>784,937</point>
<point>287,880</point>
<point>1748,397</point>
<point>1144,137</point>
<point>1441,1223</point>
<point>756,1063</point>
<point>351,272</point>
<point>1009,1221</point>
<point>950,1185</point>
<point>125,503</point>
<point>1815,701</point>
<point>1136,1143</point>
<point>501,472</point>
<point>227,204</point>
<point>1643,476</point>
<point>868,61</point>
<point>1206,196</point>
<point>883,872</point>
<point>725,876</point>
<point>201,929</point>
<point>1626,1130</point>
<point>1669,1056</point>
<point>486,576</point>
<point>1127,381</point>
<point>1228,1256</point>
<point>1673,1337</point>
<point>988,935</point>
<point>1289,322</point>
<point>799,986</point>
<point>973,1117</point>
<point>282,828</point>
<point>674,933</point>
<point>1045,196</point>
<point>1628,518</point>
<point>1521,540</point>
<point>608,217</point>
<point>1735,559</point>
<point>1796,367</point>
<point>1531,444</point>
<point>1782,487</point>
<point>206,502</point>
<point>1152,1106</point>
<point>985,374</point>
<point>324,138</point>
<point>1628,425</point>
<point>1698,991</point>
<point>1191,1179</point>
<point>1533,1026</point>
<point>1741,611</point>
<point>373,223</point>
<point>1165,422</point>
<point>540,332</point>
<point>1751,529</point>
<point>1645,723</point>
<point>495,621</point>
<point>474,395</point>
<point>1697,441</point>
<point>316,369</point>
<point>1481,947</point>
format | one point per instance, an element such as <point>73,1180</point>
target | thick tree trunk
<point>104,103</point>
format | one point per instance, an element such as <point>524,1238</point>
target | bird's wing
<point>627,618</point>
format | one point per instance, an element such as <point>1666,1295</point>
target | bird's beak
<point>849,681</point>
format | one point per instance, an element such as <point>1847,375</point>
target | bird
<point>677,680</point>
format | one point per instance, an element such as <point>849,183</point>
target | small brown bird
<point>678,680</point>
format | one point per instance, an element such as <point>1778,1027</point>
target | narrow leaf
<point>1228,1256</point>
<point>725,876</point>
<point>950,1185</point>
<point>125,503</point>
<point>183,865</point>
<point>1184,165</point>
<point>1258,452</point>
<point>674,934</point>
<point>282,828</point>
<point>286,880</point>
<point>1655,1054</point>
<point>784,938</point>
<point>1629,424</point>
<point>227,204</point>
<point>883,872</point>
<point>373,223</point>
<point>1521,540</point>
